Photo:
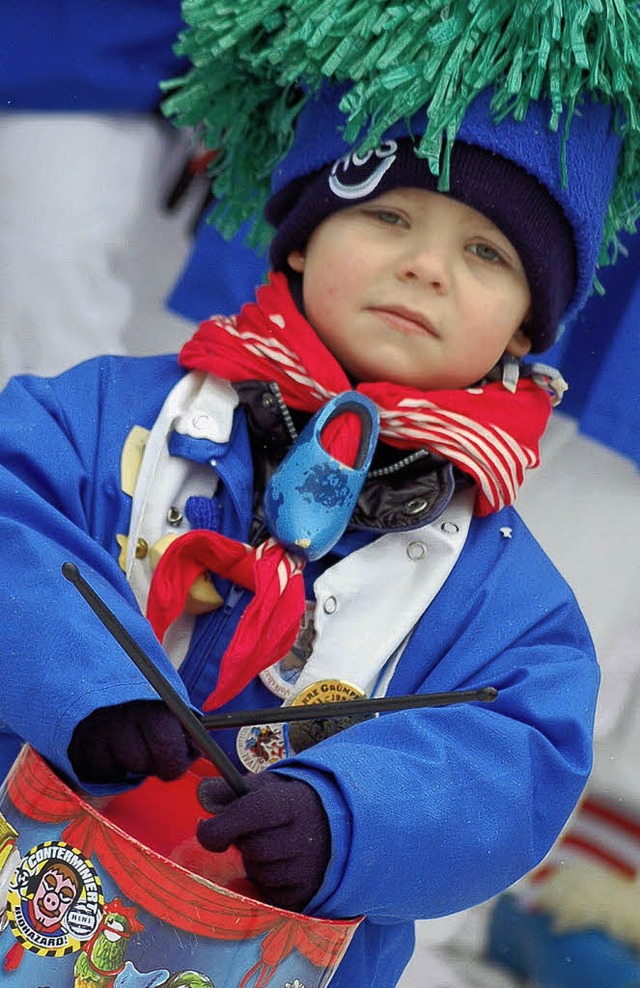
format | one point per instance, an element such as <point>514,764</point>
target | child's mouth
<point>405,320</point>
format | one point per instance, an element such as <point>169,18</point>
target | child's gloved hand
<point>141,737</point>
<point>280,828</point>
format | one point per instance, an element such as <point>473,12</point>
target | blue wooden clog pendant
<point>311,496</point>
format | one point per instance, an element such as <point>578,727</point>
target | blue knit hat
<point>511,172</point>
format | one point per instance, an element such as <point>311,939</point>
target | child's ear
<point>295,260</point>
<point>519,344</point>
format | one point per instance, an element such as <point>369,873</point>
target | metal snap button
<point>200,421</point>
<point>268,400</point>
<point>174,515</point>
<point>416,506</point>
<point>449,527</point>
<point>416,550</point>
<point>330,605</point>
<point>142,548</point>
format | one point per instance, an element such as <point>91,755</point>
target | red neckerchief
<point>489,432</point>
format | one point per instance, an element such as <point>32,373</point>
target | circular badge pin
<point>305,733</point>
<point>260,746</point>
<point>55,900</point>
<point>282,676</point>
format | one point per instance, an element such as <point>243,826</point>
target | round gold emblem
<point>327,691</point>
<point>303,734</point>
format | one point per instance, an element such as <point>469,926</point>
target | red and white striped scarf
<point>490,432</point>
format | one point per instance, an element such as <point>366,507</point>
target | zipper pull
<point>232,598</point>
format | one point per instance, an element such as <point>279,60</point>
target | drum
<point>84,903</point>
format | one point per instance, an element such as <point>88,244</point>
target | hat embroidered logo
<point>386,155</point>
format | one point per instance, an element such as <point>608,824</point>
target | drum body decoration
<point>84,904</point>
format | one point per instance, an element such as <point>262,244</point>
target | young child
<point>151,473</point>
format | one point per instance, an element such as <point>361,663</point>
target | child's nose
<point>427,264</point>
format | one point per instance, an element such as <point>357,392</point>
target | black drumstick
<point>190,721</point>
<point>345,708</point>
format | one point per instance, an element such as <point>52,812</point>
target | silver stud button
<point>415,506</point>
<point>449,527</point>
<point>174,515</point>
<point>330,605</point>
<point>200,421</point>
<point>416,550</point>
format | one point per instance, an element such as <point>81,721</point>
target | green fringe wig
<point>249,57</point>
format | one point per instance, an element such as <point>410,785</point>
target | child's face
<point>414,288</point>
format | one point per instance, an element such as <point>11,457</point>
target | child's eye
<point>487,253</point>
<point>389,216</point>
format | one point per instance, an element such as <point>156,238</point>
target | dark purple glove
<point>280,828</point>
<point>142,737</point>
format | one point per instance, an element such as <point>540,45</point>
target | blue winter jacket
<point>430,811</point>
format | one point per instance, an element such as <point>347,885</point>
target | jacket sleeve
<point>435,810</point>
<point>60,500</point>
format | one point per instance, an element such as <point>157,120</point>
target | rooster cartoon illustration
<point>102,957</point>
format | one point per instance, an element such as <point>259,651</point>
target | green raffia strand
<point>248,58</point>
